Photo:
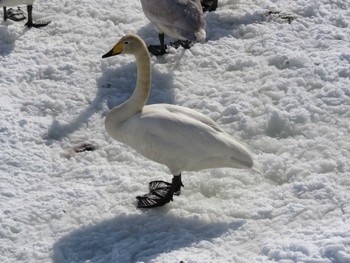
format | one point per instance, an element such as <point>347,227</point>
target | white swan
<point>181,138</point>
<point>180,19</point>
<point>29,3</point>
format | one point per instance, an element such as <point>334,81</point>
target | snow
<point>281,86</point>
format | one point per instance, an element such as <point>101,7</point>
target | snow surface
<point>282,88</point>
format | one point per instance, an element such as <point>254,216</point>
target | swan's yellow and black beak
<point>116,50</point>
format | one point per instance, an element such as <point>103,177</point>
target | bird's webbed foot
<point>160,193</point>
<point>154,199</point>
<point>186,44</point>
<point>37,25</point>
<point>164,186</point>
<point>157,50</point>
<point>14,14</point>
<point>209,5</point>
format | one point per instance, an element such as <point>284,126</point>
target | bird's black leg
<point>160,193</point>
<point>5,13</point>
<point>30,19</point>
<point>158,50</point>
<point>30,16</point>
<point>161,41</point>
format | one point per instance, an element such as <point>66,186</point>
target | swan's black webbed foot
<point>160,193</point>
<point>164,186</point>
<point>209,5</point>
<point>14,14</point>
<point>156,50</point>
<point>159,50</point>
<point>37,25</point>
<point>186,44</point>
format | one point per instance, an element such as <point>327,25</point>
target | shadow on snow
<point>113,88</point>
<point>136,238</point>
<point>8,38</point>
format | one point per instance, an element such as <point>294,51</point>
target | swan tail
<point>201,35</point>
<point>257,167</point>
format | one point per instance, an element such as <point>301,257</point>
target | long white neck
<point>139,97</point>
<point>143,84</point>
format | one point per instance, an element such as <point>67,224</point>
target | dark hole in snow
<point>84,147</point>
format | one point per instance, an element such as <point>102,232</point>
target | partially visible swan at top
<point>179,19</point>
<point>178,137</point>
<point>29,3</point>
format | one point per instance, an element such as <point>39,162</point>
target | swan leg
<point>5,13</point>
<point>158,50</point>
<point>30,19</point>
<point>160,193</point>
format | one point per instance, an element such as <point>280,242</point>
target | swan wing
<point>183,139</point>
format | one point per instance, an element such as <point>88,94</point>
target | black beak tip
<point>109,54</point>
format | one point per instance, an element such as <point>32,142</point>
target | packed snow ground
<point>282,88</point>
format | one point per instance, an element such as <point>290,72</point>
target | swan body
<point>179,19</point>
<point>29,3</point>
<point>178,137</point>
<point>15,2</point>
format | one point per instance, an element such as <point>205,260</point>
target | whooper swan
<point>178,137</point>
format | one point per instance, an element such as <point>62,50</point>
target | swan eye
<point>126,42</point>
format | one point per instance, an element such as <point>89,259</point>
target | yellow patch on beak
<point>116,50</point>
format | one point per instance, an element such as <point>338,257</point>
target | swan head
<point>128,44</point>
